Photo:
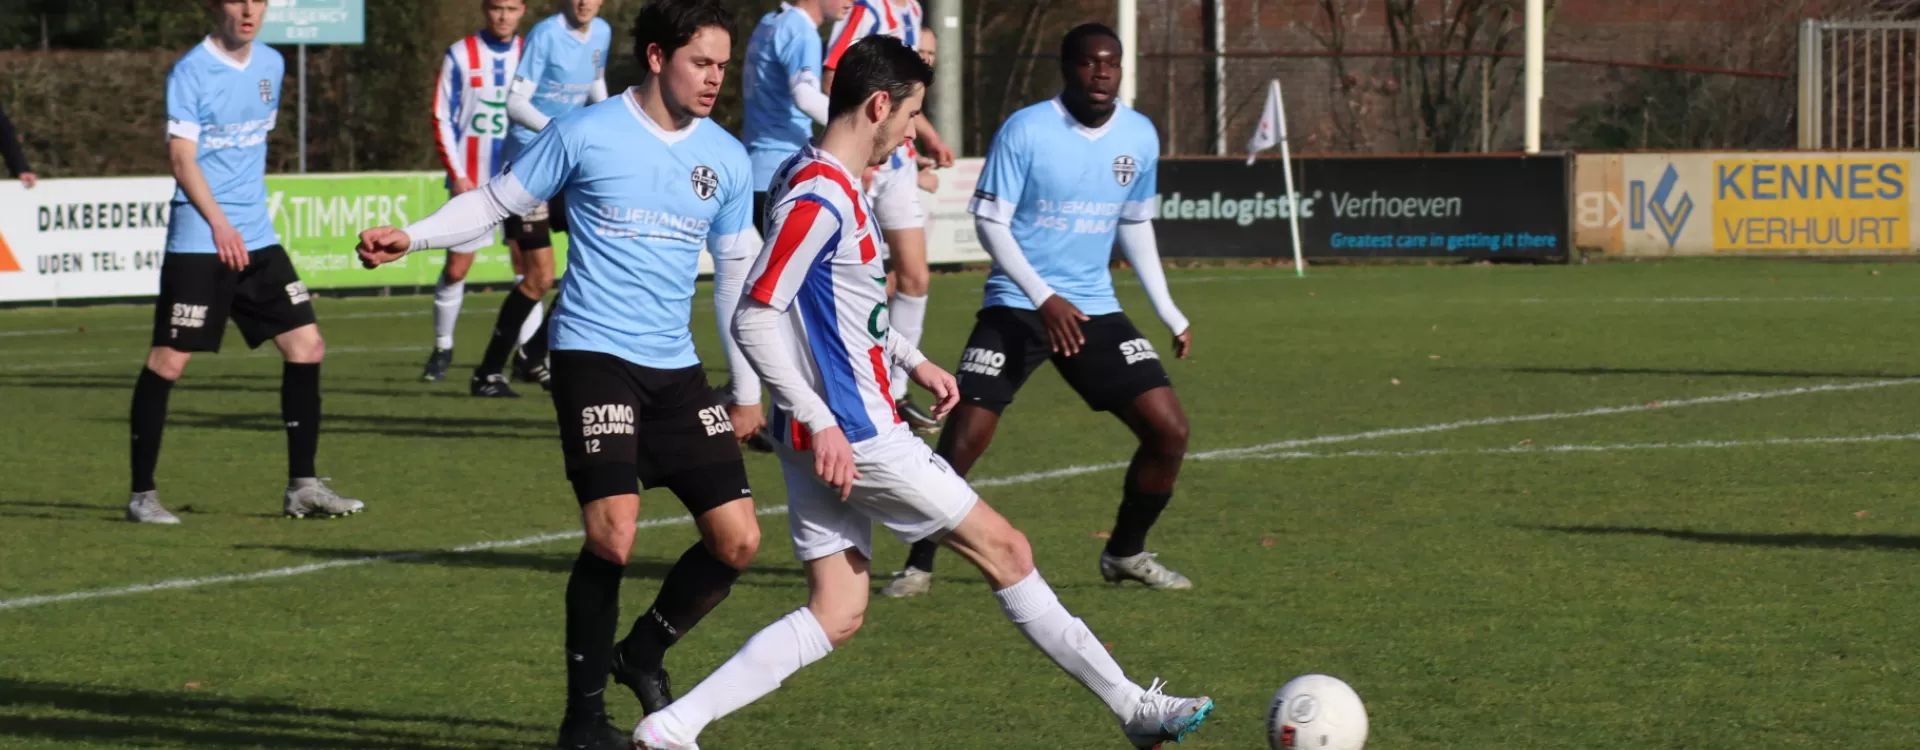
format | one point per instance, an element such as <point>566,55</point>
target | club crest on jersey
<point>266,91</point>
<point>705,182</point>
<point>1124,170</point>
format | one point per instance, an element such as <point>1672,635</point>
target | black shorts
<point>537,232</point>
<point>1116,365</point>
<point>623,426</point>
<point>199,293</point>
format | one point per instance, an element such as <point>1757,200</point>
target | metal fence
<point>1859,85</point>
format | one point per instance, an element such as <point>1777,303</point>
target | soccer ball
<point>1316,712</point>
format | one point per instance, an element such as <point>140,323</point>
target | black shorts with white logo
<point>199,293</point>
<point>1116,365</point>
<point>623,426</point>
<point>535,230</point>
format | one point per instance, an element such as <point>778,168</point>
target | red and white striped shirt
<point>470,105</point>
<point>821,267</point>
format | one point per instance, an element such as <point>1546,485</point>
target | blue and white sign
<point>315,22</point>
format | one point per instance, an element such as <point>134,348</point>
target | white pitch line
<point>149,326</point>
<point>1267,450</point>
<point>1607,448</point>
<point>258,353</point>
<point>187,583</point>
<point>1726,398</point>
<point>1692,300</point>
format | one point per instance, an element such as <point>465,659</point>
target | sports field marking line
<point>149,326</point>
<point>1283,445</point>
<point>262,353</point>
<point>1604,448</point>
<point>1668,300</point>
<point>1256,451</point>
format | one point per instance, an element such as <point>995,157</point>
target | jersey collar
<point>221,55</point>
<point>816,153</point>
<point>1091,134</point>
<point>669,137</point>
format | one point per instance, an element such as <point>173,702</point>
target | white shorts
<point>896,199</point>
<point>903,485</point>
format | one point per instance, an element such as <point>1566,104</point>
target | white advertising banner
<point>73,239</point>
<point>950,237</point>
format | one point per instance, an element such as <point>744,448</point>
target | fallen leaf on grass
<point>1101,535</point>
<point>193,686</point>
<point>1528,441</point>
<point>1396,381</point>
<point>1433,356</point>
<point>1266,541</point>
<point>1860,514</point>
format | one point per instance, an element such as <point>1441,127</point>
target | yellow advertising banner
<point>1783,203</point>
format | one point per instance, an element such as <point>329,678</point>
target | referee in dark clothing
<point>10,150</point>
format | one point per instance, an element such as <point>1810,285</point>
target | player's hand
<point>382,245</point>
<point>833,460</point>
<point>924,162</point>
<point>940,383</point>
<point>29,179</point>
<point>1183,343</point>
<point>232,246</point>
<point>929,182</point>
<point>942,155</point>
<point>461,185</point>
<point>747,420</point>
<point>1063,325</point>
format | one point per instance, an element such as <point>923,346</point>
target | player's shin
<point>506,329</point>
<point>593,615</point>
<point>696,585</point>
<point>300,409</point>
<point>768,659</point>
<point>148,420</point>
<point>1033,608</point>
<point>447,298</point>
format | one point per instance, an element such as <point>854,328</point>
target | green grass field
<point>1661,505</point>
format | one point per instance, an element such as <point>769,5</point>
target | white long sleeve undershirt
<point>808,97</point>
<point>997,238</point>
<point>766,337</point>
<point>1137,243</point>
<point>520,107</point>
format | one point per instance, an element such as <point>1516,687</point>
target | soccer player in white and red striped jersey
<point>813,323</point>
<point>469,126</point>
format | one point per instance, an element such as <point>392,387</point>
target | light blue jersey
<point>641,202</point>
<point>785,49</point>
<point>562,67</point>
<point>1064,188</point>
<point>226,107</point>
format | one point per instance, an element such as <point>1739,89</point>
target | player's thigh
<point>597,403</point>
<point>460,259</point>
<point>819,523</point>
<point>1115,366</point>
<point>986,539</point>
<point>687,443</point>
<point>1157,418</point>
<point>1002,351</point>
<point>269,298</point>
<point>196,297</point>
<point>908,488</point>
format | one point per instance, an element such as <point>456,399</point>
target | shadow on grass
<point>383,425</point>
<point>544,562</point>
<point>1703,373</point>
<point>86,715</point>
<point>212,382</point>
<point>1809,541</point>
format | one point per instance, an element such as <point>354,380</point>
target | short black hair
<point>1070,44</point>
<point>672,23</point>
<point>876,63</point>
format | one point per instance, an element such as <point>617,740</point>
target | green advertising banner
<point>319,218</point>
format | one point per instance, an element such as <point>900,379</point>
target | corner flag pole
<point>1293,198</point>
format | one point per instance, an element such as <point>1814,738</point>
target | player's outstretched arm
<point>467,217</point>
<point>1062,318</point>
<point>1142,251</point>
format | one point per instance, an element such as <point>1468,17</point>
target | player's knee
<point>1170,440</point>
<point>1014,553</point>
<point>612,542</point>
<point>737,549</point>
<point>912,282</point>
<point>453,274</point>
<point>536,284</point>
<point>305,349</point>
<point>168,363</point>
<point>839,623</point>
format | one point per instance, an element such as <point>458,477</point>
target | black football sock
<point>536,346</point>
<point>148,421</point>
<point>593,614</point>
<point>300,409</point>
<point>506,329</point>
<point>921,555</point>
<point>695,586</point>
<point>1138,511</point>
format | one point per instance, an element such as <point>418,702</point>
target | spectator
<point>10,150</point>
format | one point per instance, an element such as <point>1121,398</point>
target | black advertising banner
<point>1476,207</point>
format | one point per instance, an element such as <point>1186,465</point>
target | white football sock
<point>531,324</point>
<point>446,310</point>
<point>768,659</point>
<point>1032,607</point>
<point>909,317</point>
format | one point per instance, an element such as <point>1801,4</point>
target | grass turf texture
<point>1678,596</point>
